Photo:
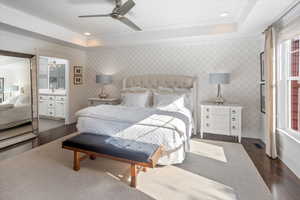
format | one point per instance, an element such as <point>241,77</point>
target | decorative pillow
<point>136,99</point>
<point>169,101</point>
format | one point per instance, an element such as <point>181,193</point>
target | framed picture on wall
<point>78,80</point>
<point>262,67</point>
<point>78,75</point>
<point>78,70</point>
<point>263,97</point>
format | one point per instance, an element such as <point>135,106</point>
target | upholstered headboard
<point>153,81</point>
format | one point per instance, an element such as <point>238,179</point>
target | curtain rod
<point>286,13</point>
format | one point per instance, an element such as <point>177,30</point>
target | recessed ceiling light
<point>87,33</point>
<point>225,14</point>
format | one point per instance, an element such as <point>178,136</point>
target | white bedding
<point>15,114</point>
<point>169,128</point>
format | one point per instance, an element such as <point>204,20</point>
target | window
<point>294,86</point>
<point>289,85</point>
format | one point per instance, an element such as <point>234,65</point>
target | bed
<point>15,112</point>
<point>170,127</point>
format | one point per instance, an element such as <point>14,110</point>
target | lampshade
<point>104,79</point>
<point>219,78</point>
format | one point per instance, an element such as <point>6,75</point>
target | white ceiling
<point>149,14</point>
<point>157,18</point>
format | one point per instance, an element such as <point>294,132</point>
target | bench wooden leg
<point>76,164</point>
<point>133,175</point>
<point>92,157</point>
<point>144,169</point>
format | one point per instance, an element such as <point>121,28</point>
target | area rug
<point>213,170</point>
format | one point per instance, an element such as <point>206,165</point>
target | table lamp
<point>218,79</point>
<point>104,80</point>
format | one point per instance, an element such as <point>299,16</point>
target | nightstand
<point>222,119</point>
<point>108,101</point>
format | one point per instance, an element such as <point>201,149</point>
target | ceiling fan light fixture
<point>87,34</point>
<point>224,14</point>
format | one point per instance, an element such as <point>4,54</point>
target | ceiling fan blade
<point>129,23</point>
<point>126,7</point>
<point>86,16</point>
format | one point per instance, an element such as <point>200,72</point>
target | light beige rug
<point>212,171</point>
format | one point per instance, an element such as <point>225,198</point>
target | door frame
<point>67,77</point>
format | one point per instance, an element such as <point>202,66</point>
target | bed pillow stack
<point>158,98</point>
<point>136,97</point>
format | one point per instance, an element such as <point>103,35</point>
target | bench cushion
<point>113,146</point>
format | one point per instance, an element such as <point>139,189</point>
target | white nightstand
<point>225,119</point>
<point>108,101</point>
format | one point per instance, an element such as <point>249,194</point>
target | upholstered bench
<point>140,155</point>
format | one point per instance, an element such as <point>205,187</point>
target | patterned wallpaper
<point>240,57</point>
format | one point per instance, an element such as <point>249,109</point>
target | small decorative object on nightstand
<point>104,80</point>
<point>223,119</point>
<point>219,78</point>
<point>99,101</point>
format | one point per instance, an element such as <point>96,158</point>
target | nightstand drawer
<point>218,122</point>
<point>209,110</point>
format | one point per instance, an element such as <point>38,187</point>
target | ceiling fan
<point>118,14</point>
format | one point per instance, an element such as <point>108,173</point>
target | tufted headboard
<point>153,81</point>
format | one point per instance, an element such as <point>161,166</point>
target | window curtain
<point>270,64</point>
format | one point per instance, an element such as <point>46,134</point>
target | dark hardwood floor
<point>282,182</point>
<point>53,134</point>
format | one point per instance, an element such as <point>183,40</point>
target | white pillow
<point>188,99</point>
<point>22,100</point>
<point>141,99</point>
<point>11,100</point>
<point>168,101</point>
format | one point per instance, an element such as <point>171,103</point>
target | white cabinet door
<point>60,109</point>
<point>43,107</point>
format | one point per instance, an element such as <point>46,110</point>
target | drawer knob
<point>233,127</point>
<point>207,117</point>
<point>233,119</point>
<point>207,125</point>
<point>233,111</point>
<point>207,109</point>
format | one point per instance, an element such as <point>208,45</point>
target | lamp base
<point>102,96</point>
<point>219,100</point>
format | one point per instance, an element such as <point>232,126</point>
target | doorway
<point>53,89</point>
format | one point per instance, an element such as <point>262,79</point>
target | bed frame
<point>153,81</point>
